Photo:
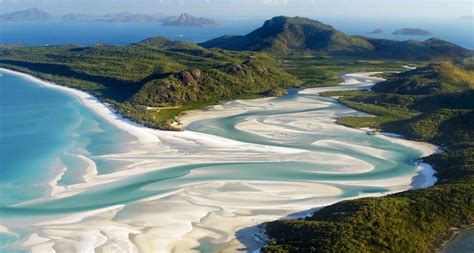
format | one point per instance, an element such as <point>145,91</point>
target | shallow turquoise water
<point>463,243</point>
<point>43,130</point>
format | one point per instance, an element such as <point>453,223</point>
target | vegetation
<point>439,108</point>
<point>157,72</point>
<point>153,81</point>
<point>326,71</point>
<point>285,35</point>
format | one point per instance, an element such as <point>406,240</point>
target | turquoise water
<point>43,131</point>
<point>463,243</point>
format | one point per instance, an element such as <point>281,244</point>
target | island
<point>188,20</point>
<point>412,31</point>
<point>154,81</point>
<point>28,15</point>
<point>291,35</point>
<point>377,31</point>
<point>38,15</point>
<point>180,76</point>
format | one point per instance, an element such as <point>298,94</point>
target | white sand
<point>178,220</point>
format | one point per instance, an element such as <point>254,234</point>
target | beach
<point>199,188</point>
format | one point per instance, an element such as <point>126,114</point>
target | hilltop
<point>188,20</point>
<point>285,35</point>
<point>377,31</point>
<point>158,72</point>
<point>29,15</point>
<point>429,80</point>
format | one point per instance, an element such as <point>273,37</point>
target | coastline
<point>151,137</point>
<point>140,132</point>
<point>451,236</point>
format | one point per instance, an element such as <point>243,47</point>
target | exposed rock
<point>190,78</point>
<point>234,69</point>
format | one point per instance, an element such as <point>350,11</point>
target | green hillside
<point>287,35</point>
<point>170,76</point>
<point>438,109</point>
<point>284,35</point>
<point>433,79</point>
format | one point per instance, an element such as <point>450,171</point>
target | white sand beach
<point>211,212</point>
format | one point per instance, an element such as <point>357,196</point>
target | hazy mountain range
<point>37,15</point>
<point>29,15</point>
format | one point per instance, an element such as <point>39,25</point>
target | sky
<point>368,9</point>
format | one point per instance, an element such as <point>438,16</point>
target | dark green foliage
<point>241,80</point>
<point>405,222</point>
<point>413,221</point>
<point>433,79</point>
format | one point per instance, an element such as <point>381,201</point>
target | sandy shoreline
<point>215,209</point>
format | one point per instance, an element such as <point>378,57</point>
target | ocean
<point>220,171</point>
<point>87,33</point>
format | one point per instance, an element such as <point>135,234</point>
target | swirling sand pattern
<point>238,164</point>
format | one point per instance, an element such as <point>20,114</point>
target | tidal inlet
<point>261,126</point>
<point>110,184</point>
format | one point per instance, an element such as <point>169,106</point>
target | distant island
<point>188,20</point>
<point>377,31</point>
<point>281,35</point>
<point>29,15</point>
<point>37,15</point>
<point>153,81</point>
<point>412,31</point>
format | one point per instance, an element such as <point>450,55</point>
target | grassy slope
<point>326,71</point>
<point>413,221</point>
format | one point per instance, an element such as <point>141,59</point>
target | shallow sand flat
<point>180,220</point>
<point>235,184</point>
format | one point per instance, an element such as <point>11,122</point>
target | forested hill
<point>284,35</point>
<point>434,104</point>
<point>172,76</point>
